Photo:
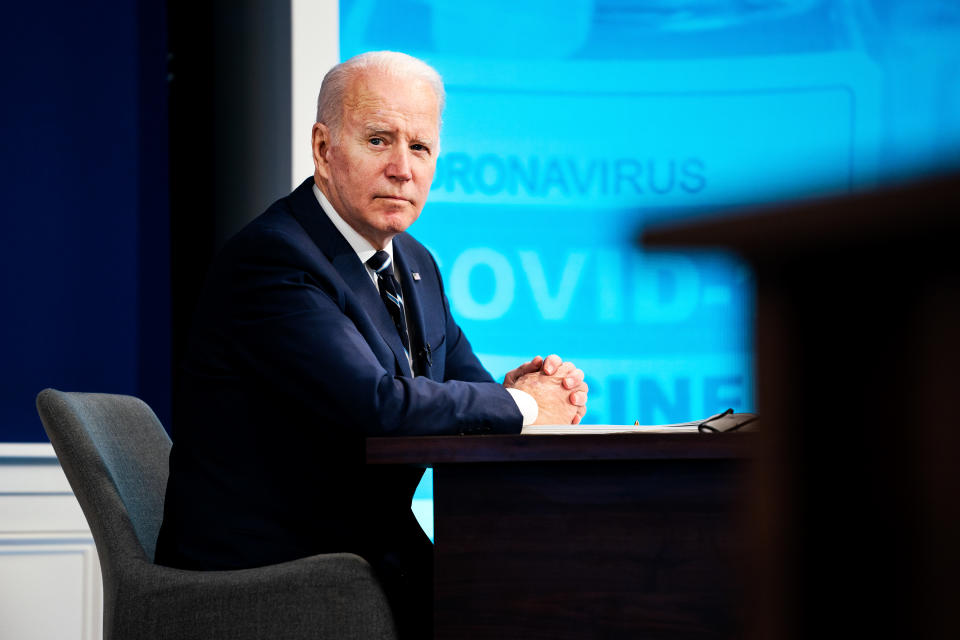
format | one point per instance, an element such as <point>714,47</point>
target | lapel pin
<point>416,276</point>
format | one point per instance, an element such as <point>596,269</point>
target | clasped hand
<point>557,386</point>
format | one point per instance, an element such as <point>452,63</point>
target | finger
<point>551,364</point>
<point>576,419</point>
<point>565,369</point>
<point>527,367</point>
<point>532,366</point>
<point>516,373</point>
<point>578,398</point>
<point>582,387</point>
<point>573,379</point>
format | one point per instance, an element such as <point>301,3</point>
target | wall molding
<point>50,583</point>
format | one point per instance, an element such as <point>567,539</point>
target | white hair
<point>335,83</point>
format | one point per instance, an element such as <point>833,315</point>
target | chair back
<point>114,453</point>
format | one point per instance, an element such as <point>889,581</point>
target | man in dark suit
<point>322,322</point>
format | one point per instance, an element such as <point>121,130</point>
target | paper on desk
<point>583,429</point>
<point>723,421</point>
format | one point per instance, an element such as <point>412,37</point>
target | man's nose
<point>398,168</point>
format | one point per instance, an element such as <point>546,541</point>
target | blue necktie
<point>382,265</point>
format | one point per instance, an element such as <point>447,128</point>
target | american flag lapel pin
<point>416,275</point>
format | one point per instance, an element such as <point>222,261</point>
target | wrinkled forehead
<point>376,95</point>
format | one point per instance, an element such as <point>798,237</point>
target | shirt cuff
<point>527,405</point>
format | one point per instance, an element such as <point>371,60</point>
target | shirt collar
<point>360,245</point>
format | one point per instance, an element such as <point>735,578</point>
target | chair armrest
<point>322,596</point>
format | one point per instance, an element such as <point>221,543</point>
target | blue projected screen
<point>569,125</point>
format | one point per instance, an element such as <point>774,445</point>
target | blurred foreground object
<point>857,343</point>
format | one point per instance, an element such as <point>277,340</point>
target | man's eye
<point>418,147</point>
<point>376,141</point>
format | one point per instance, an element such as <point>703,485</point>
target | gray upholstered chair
<point>114,453</point>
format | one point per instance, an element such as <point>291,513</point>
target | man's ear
<point>321,143</point>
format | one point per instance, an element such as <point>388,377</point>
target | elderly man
<point>323,322</point>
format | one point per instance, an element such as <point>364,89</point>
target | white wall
<point>315,47</point>
<point>50,585</point>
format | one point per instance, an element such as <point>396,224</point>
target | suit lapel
<point>341,255</point>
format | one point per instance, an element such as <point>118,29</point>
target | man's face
<point>377,171</point>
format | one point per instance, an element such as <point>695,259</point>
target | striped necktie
<point>382,265</point>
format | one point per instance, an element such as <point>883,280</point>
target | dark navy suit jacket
<point>292,362</point>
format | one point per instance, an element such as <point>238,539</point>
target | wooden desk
<point>594,536</point>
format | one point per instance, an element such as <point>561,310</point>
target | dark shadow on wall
<point>229,132</point>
